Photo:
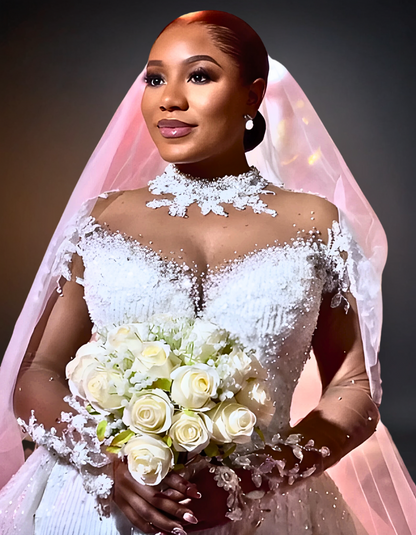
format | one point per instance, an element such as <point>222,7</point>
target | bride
<point>292,274</point>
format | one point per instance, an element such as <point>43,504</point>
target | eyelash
<point>200,72</point>
<point>149,79</point>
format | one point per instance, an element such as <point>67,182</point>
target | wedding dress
<point>268,296</point>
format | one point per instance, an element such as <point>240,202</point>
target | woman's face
<point>194,101</point>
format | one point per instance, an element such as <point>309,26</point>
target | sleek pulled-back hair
<point>238,40</point>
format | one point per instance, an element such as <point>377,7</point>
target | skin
<point>210,95</point>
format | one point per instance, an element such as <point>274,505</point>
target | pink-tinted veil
<point>298,152</point>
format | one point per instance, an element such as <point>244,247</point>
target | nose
<point>173,97</point>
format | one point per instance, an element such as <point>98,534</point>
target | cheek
<point>148,107</point>
<point>220,114</point>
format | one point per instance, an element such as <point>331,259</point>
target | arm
<point>346,415</point>
<point>63,328</point>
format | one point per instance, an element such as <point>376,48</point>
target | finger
<point>179,483</point>
<point>144,507</point>
<point>172,495</point>
<point>135,518</point>
<point>165,504</point>
<point>173,508</point>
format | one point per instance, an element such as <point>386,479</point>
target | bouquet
<point>169,386</point>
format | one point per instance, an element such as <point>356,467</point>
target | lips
<point>172,128</point>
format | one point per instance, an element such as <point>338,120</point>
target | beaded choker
<point>239,190</point>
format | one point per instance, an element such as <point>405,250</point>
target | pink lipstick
<point>172,128</point>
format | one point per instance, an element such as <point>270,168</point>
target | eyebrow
<point>192,59</point>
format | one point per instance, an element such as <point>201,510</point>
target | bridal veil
<point>297,152</point>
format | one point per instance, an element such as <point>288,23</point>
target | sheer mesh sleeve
<point>42,400</point>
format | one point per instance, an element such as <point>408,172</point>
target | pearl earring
<point>249,122</point>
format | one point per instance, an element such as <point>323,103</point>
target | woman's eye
<point>153,80</point>
<point>199,77</point>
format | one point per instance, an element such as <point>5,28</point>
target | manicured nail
<point>190,518</point>
<point>178,531</point>
<point>193,493</point>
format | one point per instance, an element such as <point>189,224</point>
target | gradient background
<point>66,65</point>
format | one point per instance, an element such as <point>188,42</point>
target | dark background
<point>66,65</point>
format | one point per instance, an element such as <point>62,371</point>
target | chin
<point>178,155</point>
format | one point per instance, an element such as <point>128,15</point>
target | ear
<point>256,94</point>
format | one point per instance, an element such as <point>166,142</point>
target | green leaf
<point>113,449</point>
<point>91,410</point>
<point>260,433</point>
<point>212,450</point>
<point>167,440</point>
<point>189,412</point>
<point>229,451</point>
<point>122,438</point>
<point>163,384</point>
<point>101,427</point>
<point>178,467</point>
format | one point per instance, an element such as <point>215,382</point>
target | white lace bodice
<point>269,298</point>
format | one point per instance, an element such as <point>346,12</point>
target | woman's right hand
<point>150,509</point>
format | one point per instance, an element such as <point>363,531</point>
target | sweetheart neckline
<point>201,284</point>
<point>315,245</point>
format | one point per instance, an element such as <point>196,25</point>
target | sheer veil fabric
<point>298,152</point>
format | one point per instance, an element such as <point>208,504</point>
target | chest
<point>266,291</point>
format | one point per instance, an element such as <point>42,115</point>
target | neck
<point>215,167</point>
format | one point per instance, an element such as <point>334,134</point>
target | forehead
<point>180,41</point>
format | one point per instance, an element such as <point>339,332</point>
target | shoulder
<point>113,207</point>
<point>305,209</point>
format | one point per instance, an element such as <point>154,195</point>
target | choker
<point>239,190</point>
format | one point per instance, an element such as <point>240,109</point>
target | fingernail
<point>188,517</point>
<point>178,531</point>
<point>193,493</point>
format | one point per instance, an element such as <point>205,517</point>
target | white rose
<point>207,339</point>
<point>149,459</point>
<point>234,369</point>
<point>190,432</point>
<point>102,388</point>
<point>75,369</point>
<point>232,422</point>
<point>193,386</point>
<point>255,396</point>
<point>149,411</point>
<point>126,339</point>
<point>155,359</point>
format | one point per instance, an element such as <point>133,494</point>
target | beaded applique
<point>80,447</point>
<point>240,191</point>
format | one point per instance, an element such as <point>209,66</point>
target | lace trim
<point>240,191</point>
<point>264,470</point>
<point>339,262</point>
<point>80,446</point>
<point>79,226</point>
